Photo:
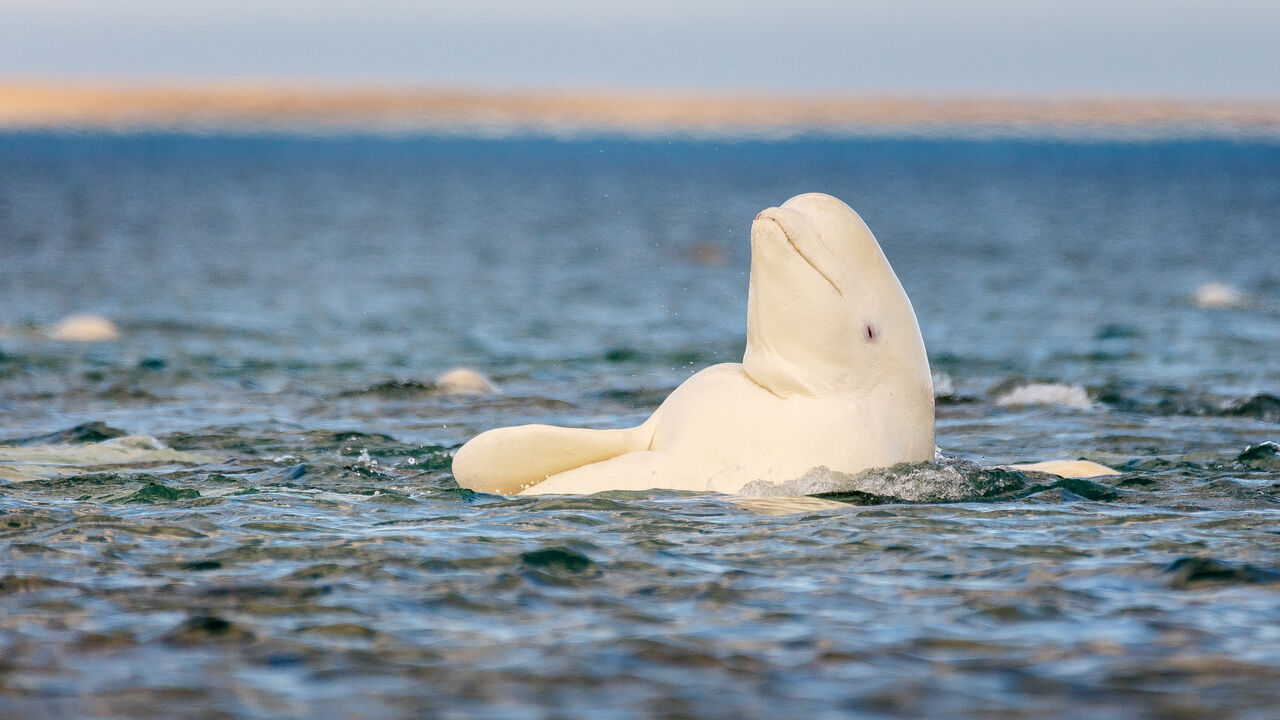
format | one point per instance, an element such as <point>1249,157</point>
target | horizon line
<point>310,106</point>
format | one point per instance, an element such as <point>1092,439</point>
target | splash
<point>944,480</point>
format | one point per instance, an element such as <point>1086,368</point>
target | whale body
<point>835,374</point>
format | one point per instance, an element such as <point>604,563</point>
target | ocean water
<point>242,507</point>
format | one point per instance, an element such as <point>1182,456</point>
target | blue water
<point>284,303</point>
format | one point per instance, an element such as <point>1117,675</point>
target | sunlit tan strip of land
<point>310,108</point>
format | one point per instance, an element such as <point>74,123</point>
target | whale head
<point>826,314</point>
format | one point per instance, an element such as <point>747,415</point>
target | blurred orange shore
<point>288,108</point>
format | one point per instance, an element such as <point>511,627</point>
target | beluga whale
<point>834,375</point>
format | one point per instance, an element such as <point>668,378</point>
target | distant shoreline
<point>339,110</point>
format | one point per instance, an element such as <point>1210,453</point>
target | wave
<point>1193,572</point>
<point>1158,400</point>
<point>85,446</point>
<point>458,381</point>
<point>1263,456</point>
<point>1175,401</point>
<point>1045,393</point>
<point>393,390</point>
<point>83,433</point>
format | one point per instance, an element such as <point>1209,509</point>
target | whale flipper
<point>638,470</point>
<point>1068,468</point>
<point>508,460</point>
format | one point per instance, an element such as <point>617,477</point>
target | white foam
<point>1055,394</point>
<point>946,481</point>
<point>366,461</point>
<point>943,385</point>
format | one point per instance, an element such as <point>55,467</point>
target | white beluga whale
<point>84,328</point>
<point>835,375</point>
<point>463,381</point>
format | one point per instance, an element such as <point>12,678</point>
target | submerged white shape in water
<point>1057,394</point>
<point>1068,468</point>
<point>788,505</point>
<point>29,462</point>
<point>464,381</point>
<point>835,375</point>
<point>84,328</point>
<point>1218,295</point>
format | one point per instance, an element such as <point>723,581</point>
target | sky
<point>1180,48</point>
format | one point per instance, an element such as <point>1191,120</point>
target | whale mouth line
<point>804,257</point>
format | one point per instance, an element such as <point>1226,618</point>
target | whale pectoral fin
<point>1068,468</point>
<point>788,505</point>
<point>641,470</point>
<point>508,460</point>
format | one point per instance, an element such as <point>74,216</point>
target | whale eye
<point>871,332</point>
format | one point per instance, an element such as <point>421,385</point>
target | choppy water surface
<point>243,506</point>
